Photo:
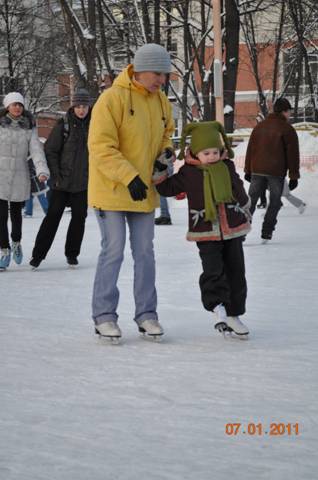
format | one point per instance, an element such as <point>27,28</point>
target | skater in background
<point>218,219</point>
<point>67,156</point>
<point>131,126</point>
<point>38,190</point>
<point>272,151</point>
<point>18,137</point>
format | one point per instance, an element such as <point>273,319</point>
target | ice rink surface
<point>73,407</point>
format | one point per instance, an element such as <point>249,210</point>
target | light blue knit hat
<point>152,57</point>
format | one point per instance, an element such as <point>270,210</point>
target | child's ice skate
<point>221,324</point>
<point>151,328</point>
<point>109,330</point>
<point>229,325</point>
<point>236,325</point>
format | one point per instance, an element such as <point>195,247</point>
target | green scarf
<point>217,187</point>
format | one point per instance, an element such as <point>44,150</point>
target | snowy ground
<point>73,408</point>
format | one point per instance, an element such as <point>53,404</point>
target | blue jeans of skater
<point>164,206</point>
<point>28,209</point>
<point>112,226</point>
<point>275,187</point>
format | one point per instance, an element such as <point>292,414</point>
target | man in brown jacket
<point>273,150</point>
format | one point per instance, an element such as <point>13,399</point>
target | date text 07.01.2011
<point>273,429</point>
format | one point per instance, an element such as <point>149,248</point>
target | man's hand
<point>137,189</point>
<point>293,184</point>
<point>248,177</point>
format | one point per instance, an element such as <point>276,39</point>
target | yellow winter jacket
<point>129,128</point>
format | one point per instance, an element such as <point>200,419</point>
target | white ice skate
<point>227,324</point>
<point>151,328</point>
<point>221,317</point>
<point>237,326</point>
<point>109,330</point>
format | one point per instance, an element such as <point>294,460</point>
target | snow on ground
<point>75,408</point>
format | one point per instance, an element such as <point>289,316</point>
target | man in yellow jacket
<point>131,126</point>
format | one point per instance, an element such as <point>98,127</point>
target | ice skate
<point>221,317</point>
<point>35,263</point>
<point>227,325</point>
<point>109,330</point>
<point>235,325</point>
<point>5,258</point>
<point>72,262</point>
<point>151,328</point>
<point>17,254</point>
<point>266,237</point>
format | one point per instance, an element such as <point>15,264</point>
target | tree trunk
<point>232,40</point>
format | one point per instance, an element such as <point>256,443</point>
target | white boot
<point>151,327</point>
<point>220,313</point>
<point>237,326</point>
<point>108,329</point>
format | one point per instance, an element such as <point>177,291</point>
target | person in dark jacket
<point>67,157</point>
<point>218,214</point>
<point>273,150</point>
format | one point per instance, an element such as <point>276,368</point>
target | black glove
<point>293,184</point>
<point>248,177</point>
<point>137,189</point>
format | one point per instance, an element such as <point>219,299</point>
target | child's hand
<point>42,178</point>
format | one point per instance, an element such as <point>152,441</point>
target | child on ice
<point>218,209</point>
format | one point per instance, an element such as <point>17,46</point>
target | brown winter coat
<point>273,148</point>
<point>231,221</point>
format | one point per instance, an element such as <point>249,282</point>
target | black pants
<point>49,226</point>
<point>275,187</point>
<point>16,222</point>
<point>223,278</point>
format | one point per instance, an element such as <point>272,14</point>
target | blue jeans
<point>164,206</point>
<point>113,233</point>
<point>28,209</point>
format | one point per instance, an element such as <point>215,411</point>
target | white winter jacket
<point>18,139</point>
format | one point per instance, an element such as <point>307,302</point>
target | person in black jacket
<point>67,156</point>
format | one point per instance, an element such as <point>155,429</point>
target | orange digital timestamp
<point>258,429</point>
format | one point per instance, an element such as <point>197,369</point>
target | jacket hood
<point>125,80</point>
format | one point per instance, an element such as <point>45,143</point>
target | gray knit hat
<point>81,97</point>
<point>152,57</point>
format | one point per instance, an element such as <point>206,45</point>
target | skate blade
<point>228,332</point>
<point>112,340</point>
<point>147,336</point>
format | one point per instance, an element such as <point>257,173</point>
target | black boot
<point>163,221</point>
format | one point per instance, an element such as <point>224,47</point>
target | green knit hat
<point>205,135</point>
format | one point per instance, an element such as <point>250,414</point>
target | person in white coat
<point>18,139</point>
